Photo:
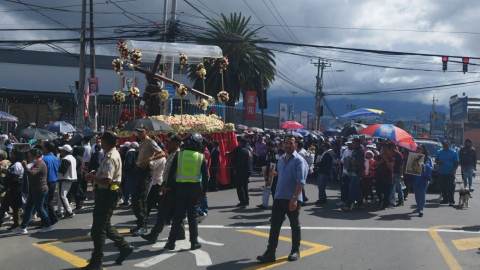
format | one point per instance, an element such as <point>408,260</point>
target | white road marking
<point>320,229</point>
<point>202,258</point>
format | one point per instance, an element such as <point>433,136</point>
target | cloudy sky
<point>423,26</point>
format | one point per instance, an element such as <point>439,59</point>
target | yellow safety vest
<point>189,167</point>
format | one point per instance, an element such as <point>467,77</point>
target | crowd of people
<point>174,178</point>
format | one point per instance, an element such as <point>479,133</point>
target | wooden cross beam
<point>152,74</point>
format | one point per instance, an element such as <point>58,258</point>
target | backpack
<point>349,163</point>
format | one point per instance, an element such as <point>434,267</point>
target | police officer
<point>106,181</point>
<point>148,151</point>
<point>188,174</point>
<point>243,171</point>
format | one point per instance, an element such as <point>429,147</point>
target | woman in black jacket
<point>14,183</point>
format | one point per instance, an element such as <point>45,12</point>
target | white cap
<point>126,144</point>
<point>135,145</point>
<point>66,147</point>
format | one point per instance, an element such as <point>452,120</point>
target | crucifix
<point>153,89</point>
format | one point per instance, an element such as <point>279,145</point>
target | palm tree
<point>246,59</point>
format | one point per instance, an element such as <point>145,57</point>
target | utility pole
<point>433,114</point>
<point>173,18</point>
<point>321,65</point>
<point>351,107</point>
<point>92,66</point>
<point>165,7</point>
<point>293,105</point>
<point>81,85</point>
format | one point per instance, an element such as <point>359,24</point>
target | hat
<point>446,142</point>
<point>270,143</point>
<point>350,140</point>
<point>371,145</point>
<point>126,145</point>
<point>267,136</point>
<point>141,127</point>
<point>174,138</point>
<point>66,148</point>
<point>110,137</point>
<point>135,145</point>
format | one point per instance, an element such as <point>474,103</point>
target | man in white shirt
<point>88,151</point>
<point>345,179</point>
<point>67,174</point>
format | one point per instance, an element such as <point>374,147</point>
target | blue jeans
<point>420,195</point>
<point>203,206</point>
<point>355,192</point>
<point>344,187</point>
<point>322,185</point>
<point>467,172</point>
<point>396,188</point>
<point>36,200</point>
<point>129,188</point>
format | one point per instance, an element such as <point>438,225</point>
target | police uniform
<point>106,197</point>
<point>189,175</point>
<point>147,149</point>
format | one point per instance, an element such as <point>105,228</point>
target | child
<point>368,174</point>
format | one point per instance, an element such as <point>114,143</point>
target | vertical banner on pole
<point>304,119</point>
<point>250,105</point>
<point>87,102</point>
<point>283,113</point>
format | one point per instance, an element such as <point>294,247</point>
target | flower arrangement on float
<point>164,95</point>
<point>135,57</point>
<point>181,91</point>
<point>223,97</point>
<point>117,66</point>
<point>133,92</point>
<point>183,61</point>
<point>202,104</point>
<point>118,97</point>
<point>122,49</point>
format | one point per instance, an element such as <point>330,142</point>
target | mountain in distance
<point>394,109</point>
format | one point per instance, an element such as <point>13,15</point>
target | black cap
<point>141,127</point>
<point>271,143</point>
<point>174,138</point>
<point>110,137</point>
<point>446,142</point>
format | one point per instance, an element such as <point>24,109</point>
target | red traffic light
<point>465,60</point>
<point>444,59</point>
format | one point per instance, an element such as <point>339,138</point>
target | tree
<point>402,125</point>
<point>53,110</point>
<point>246,59</point>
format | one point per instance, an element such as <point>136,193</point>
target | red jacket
<point>371,172</point>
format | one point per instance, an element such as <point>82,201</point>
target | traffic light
<point>444,61</point>
<point>465,61</point>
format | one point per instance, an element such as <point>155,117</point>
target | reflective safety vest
<point>189,167</point>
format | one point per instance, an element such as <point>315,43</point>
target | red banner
<point>87,102</point>
<point>250,105</point>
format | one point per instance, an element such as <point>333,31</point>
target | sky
<point>422,26</point>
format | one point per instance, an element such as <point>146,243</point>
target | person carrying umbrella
<point>148,151</point>
<point>354,165</point>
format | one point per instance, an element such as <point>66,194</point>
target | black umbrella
<point>77,138</point>
<point>151,123</point>
<point>351,129</point>
<point>38,134</point>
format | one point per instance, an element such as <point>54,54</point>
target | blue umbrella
<point>361,112</point>
<point>303,131</point>
<point>6,117</point>
<point>60,127</point>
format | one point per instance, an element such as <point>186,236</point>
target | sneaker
<point>471,189</point>
<point>399,204</point>
<point>405,199</point>
<point>358,207</point>
<point>420,214</point>
<point>241,205</point>
<point>20,230</point>
<point>69,215</point>
<point>346,208</point>
<point>124,253</point>
<point>169,246</point>
<point>78,208</point>
<point>13,227</point>
<point>262,206</point>
<point>416,211</point>
<point>120,201</point>
<point>93,266</point>
<point>444,202</point>
<point>195,246</point>
<point>202,217</point>
<point>451,204</point>
<point>34,217</point>
<point>151,237</point>
<point>140,231</point>
<point>267,257</point>
<point>46,229</point>
<point>294,255</point>
<point>321,202</point>
<point>134,229</point>
<point>340,204</point>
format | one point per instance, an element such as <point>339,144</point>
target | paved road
<point>445,238</point>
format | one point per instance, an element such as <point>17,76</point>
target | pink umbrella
<point>291,125</point>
